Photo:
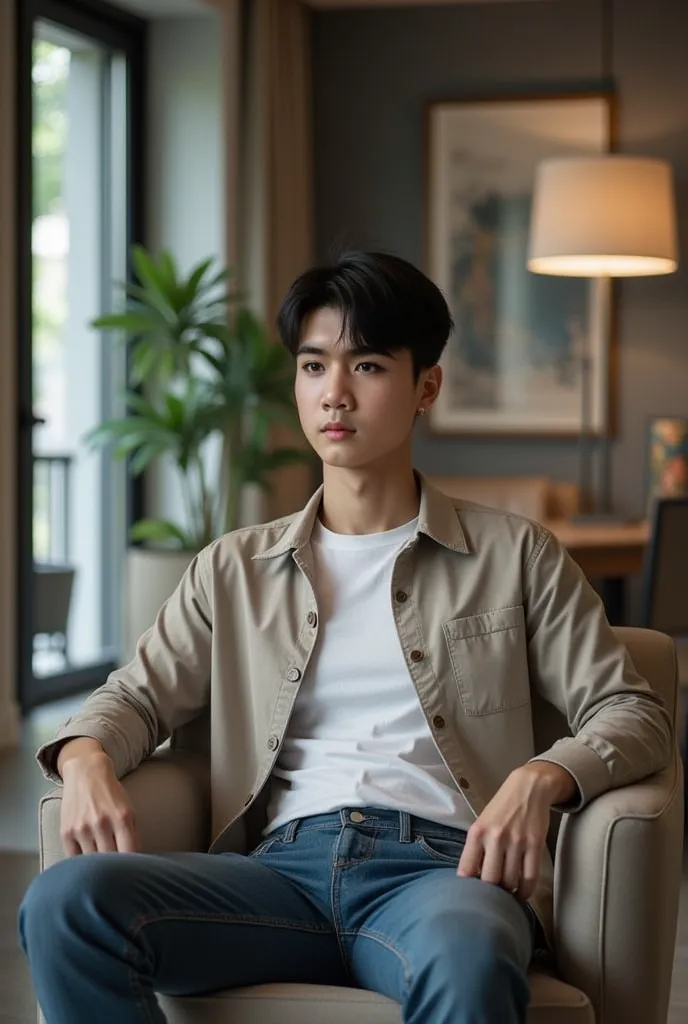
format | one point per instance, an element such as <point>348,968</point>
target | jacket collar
<point>437,519</point>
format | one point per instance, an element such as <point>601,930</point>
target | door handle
<point>28,419</point>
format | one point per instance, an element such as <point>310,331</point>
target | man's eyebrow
<point>355,350</point>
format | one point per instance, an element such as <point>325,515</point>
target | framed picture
<point>667,462</point>
<point>514,364</point>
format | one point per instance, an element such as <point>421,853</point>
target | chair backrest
<point>535,497</point>
<point>523,495</point>
<point>665,590</point>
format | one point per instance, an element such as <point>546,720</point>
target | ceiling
<point>166,8</point>
<point>395,3</point>
<point>177,8</point>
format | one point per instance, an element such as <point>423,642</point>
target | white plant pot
<point>151,577</point>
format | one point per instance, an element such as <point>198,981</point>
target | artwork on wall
<point>667,474</point>
<point>513,365</point>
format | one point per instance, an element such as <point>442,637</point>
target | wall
<point>185,194</point>
<point>185,151</point>
<point>374,72</point>
<point>9,713</point>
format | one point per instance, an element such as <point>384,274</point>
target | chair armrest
<point>617,880</point>
<point>170,794</point>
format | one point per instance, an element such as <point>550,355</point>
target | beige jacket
<point>490,611</point>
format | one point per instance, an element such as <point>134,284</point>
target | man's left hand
<point>505,843</point>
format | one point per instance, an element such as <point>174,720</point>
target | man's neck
<point>359,503</point>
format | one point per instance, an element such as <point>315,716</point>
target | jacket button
<point>464,783</point>
<point>273,743</point>
<point>401,596</point>
<point>293,675</point>
<point>311,618</point>
<point>417,655</point>
<point>438,722</point>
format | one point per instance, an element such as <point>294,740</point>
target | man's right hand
<point>97,815</point>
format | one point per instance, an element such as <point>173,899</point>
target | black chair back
<point>665,590</point>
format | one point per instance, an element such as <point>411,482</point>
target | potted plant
<point>202,366</point>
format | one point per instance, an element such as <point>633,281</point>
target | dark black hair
<point>386,304</point>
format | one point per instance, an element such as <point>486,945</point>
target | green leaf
<point>191,288</point>
<point>163,532</point>
<point>131,323</point>
<point>145,455</point>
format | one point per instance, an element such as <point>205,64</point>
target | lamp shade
<point>603,216</point>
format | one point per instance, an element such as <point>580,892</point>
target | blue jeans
<point>326,900</point>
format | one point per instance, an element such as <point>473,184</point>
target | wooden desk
<point>608,553</point>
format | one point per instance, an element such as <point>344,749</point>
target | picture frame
<point>666,470</point>
<point>513,366</point>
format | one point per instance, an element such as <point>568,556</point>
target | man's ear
<point>432,383</point>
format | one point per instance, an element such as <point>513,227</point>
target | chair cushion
<point>552,1002</point>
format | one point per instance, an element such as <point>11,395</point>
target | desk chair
<point>665,593</point>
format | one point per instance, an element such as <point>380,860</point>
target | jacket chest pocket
<point>489,659</point>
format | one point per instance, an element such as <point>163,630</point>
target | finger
<point>513,867</point>
<point>127,837</point>
<point>471,859</point>
<point>85,840</point>
<point>70,845</point>
<point>493,862</point>
<point>530,873</point>
<point>104,838</point>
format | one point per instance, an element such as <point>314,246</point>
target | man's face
<point>372,395</point>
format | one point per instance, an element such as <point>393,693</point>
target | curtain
<point>274,223</point>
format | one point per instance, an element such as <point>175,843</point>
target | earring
<point>421,411</point>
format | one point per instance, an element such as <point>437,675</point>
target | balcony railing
<point>51,498</point>
<point>53,575</point>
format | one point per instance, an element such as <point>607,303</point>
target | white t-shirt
<point>358,736</point>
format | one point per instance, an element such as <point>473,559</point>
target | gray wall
<point>374,72</point>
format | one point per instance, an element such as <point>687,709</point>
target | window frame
<point>127,33</point>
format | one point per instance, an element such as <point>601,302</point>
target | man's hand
<point>505,843</point>
<point>96,814</point>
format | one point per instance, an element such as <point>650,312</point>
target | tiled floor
<point>21,785</point>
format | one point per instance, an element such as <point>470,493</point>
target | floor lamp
<point>601,216</point>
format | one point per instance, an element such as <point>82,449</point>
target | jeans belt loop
<point>404,827</point>
<point>290,831</point>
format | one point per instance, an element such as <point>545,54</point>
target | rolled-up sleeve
<point>621,730</point>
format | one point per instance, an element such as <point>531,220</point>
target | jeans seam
<point>439,832</point>
<point>334,907</point>
<point>263,847</point>
<point>440,858</point>
<point>305,828</point>
<point>271,922</point>
<point>368,933</point>
<point>137,992</point>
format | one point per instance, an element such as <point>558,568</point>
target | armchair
<point>616,890</point>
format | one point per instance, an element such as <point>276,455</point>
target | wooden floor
<point>21,784</point>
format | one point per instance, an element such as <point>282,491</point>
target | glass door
<point>79,76</point>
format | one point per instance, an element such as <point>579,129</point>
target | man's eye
<point>306,366</point>
<point>372,366</point>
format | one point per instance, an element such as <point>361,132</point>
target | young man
<point>368,665</point>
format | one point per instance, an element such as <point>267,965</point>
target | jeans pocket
<point>441,848</point>
<point>265,846</point>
